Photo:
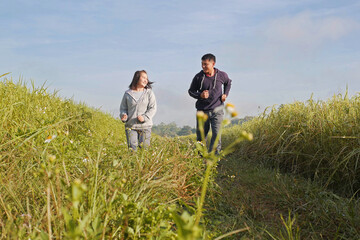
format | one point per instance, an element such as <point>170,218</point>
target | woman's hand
<point>141,119</point>
<point>124,117</point>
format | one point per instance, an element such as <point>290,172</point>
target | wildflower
<point>230,108</point>
<point>26,215</point>
<point>86,159</point>
<point>51,158</point>
<point>77,181</point>
<point>230,105</point>
<point>201,115</point>
<point>50,138</point>
<point>234,114</point>
<point>71,141</point>
<point>226,122</point>
<point>66,133</point>
<point>247,136</point>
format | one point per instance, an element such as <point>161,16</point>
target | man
<point>211,88</point>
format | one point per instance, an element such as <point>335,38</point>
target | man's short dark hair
<point>209,57</point>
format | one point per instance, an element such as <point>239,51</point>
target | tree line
<point>172,130</point>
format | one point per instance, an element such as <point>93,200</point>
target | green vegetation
<point>318,139</point>
<point>300,171</point>
<point>172,130</point>
<point>269,203</point>
<point>66,173</point>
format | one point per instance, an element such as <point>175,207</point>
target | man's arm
<point>227,85</point>
<point>194,90</point>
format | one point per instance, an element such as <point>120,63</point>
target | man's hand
<point>223,97</point>
<point>124,117</point>
<point>141,119</point>
<point>205,94</point>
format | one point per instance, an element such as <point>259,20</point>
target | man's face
<point>207,66</point>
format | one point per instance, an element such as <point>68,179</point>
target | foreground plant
<point>188,226</point>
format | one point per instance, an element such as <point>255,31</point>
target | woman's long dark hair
<point>136,79</point>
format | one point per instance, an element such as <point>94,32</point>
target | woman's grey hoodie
<point>145,106</point>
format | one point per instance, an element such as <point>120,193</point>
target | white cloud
<point>305,29</point>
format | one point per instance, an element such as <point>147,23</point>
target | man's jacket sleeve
<point>227,85</point>
<point>194,90</point>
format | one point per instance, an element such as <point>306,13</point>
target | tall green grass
<point>66,172</point>
<point>317,139</point>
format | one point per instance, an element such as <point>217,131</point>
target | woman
<point>137,109</point>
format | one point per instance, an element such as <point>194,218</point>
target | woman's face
<point>143,81</point>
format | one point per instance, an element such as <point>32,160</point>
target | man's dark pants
<point>215,118</point>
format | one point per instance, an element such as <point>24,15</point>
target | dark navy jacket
<point>214,84</point>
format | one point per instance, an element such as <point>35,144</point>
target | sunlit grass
<point>65,171</point>
<point>317,139</point>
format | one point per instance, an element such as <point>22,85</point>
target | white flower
<point>50,138</point>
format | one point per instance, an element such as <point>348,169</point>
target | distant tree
<point>172,130</point>
<point>185,130</point>
<point>239,121</point>
<point>166,130</point>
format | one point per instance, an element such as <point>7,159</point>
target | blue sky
<point>275,51</point>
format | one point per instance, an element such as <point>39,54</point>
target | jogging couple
<point>210,87</point>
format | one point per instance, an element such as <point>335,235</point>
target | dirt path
<point>256,197</point>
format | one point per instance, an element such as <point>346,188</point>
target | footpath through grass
<point>298,179</point>
<point>273,205</point>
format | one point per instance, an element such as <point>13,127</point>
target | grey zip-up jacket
<point>145,106</point>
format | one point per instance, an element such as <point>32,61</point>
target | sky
<point>274,51</point>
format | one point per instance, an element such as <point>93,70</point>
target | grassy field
<point>66,173</point>
<point>319,140</point>
<point>303,161</point>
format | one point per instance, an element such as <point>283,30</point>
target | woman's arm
<point>151,108</point>
<point>124,109</point>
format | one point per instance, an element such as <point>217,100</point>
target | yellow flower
<point>201,116</point>
<point>77,181</point>
<point>226,122</point>
<point>230,105</point>
<point>247,136</point>
<point>51,158</point>
<point>234,114</point>
<point>230,108</point>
